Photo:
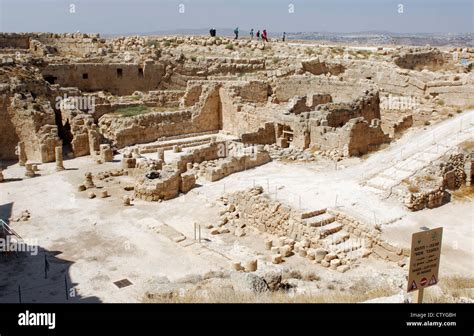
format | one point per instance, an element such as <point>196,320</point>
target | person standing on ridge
<point>258,35</point>
<point>264,36</point>
<point>236,32</point>
<point>251,34</point>
<point>284,37</point>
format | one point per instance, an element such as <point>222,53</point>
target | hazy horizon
<point>147,16</point>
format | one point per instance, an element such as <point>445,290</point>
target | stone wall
<point>355,138</point>
<point>34,124</point>
<point>401,125</point>
<point>314,229</point>
<point>202,117</point>
<point>117,78</point>
<point>14,40</point>
<point>234,164</point>
<point>317,67</point>
<point>341,91</point>
<point>264,135</point>
<point>212,151</point>
<point>421,59</point>
<point>8,134</point>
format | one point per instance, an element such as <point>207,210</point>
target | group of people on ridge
<point>259,35</point>
<point>263,35</point>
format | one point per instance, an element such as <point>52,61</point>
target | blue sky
<point>125,16</point>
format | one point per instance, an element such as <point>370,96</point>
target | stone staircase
<point>191,140</point>
<point>409,160</point>
<point>332,235</point>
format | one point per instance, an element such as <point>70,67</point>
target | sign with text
<point>424,259</point>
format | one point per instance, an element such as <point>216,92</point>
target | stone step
<point>314,213</point>
<point>333,241</point>
<point>194,140</point>
<point>328,229</point>
<point>348,245</point>
<point>381,183</point>
<point>320,220</point>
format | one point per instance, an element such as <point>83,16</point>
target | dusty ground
<point>94,242</point>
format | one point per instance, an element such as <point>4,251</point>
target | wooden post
<point>199,233</point>
<point>418,296</point>
<point>194,230</point>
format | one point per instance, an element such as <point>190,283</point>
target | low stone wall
<point>163,188</point>
<point>212,151</point>
<point>428,199</point>
<point>236,164</point>
<point>314,232</point>
<point>264,136</point>
<point>148,127</point>
<point>401,125</point>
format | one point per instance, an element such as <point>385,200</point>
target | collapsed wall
<point>357,137</point>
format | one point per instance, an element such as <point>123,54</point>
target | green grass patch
<point>131,111</point>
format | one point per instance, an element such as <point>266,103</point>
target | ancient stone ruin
<point>261,167</point>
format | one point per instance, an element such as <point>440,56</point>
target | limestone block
<point>126,200</point>
<point>29,172</point>
<point>268,244</point>
<point>188,181</point>
<point>330,256</point>
<point>334,263</point>
<point>106,153</point>
<point>251,265</point>
<point>237,266</point>
<point>286,251</point>
<point>320,254</point>
<point>276,259</point>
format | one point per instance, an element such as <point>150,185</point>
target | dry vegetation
<point>230,296</point>
<point>465,193</point>
<point>453,287</point>
<point>331,292</point>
